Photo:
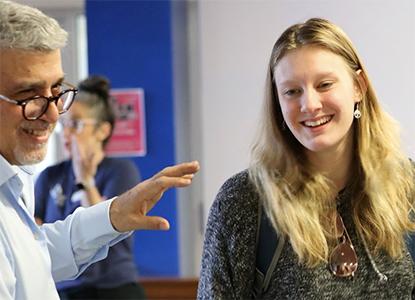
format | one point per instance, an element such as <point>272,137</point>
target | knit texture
<point>228,261</point>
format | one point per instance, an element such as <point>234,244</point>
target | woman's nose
<point>310,101</point>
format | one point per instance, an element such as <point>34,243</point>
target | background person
<point>86,179</point>
<point>328,172</point>
<point>33,94</point>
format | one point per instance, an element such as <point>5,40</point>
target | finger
<point>188,176</point>
<point>74,146</point>
<point>180,169</point>
<point>151,190</point>
<point>77,150</point>
<point>152,223</point>
<point>76,157</point>
<point>94,158</point>
<point>161,184</point>
<point>154,186</point>
<point>166,182</point>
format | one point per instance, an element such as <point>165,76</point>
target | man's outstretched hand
<point>129,210</point>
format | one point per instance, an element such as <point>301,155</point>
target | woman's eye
<point>291,92</point>
<point>325,84</point>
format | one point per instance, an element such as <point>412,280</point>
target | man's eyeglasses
<point>343,259</point>
<point>34,107</point>
<point>77,124</point>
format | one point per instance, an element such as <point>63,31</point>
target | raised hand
<point>129,211</point>
<point>86,157</point>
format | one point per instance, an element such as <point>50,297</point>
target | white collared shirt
<point>32,256</point>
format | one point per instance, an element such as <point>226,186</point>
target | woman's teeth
<point>318,122</point>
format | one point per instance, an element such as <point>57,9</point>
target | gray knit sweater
<point>228,262</point>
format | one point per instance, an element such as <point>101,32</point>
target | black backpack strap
<point>259,276</point>
<point>410,238</point>
<point>269,246</point>
<point>410,243</point>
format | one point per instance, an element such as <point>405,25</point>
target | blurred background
<point>202,67</point>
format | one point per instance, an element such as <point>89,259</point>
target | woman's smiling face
<point>317,95</point>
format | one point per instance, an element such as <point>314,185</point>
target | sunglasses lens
<point>343,260</point>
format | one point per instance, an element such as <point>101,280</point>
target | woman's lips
<point>317,121</point>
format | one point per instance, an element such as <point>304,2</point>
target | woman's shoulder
<point>57,169</point>
<point>121,165</point>
<point>237,185</point>
<point>237,194</point>
<point>237,181</point>
<point>118,162</point>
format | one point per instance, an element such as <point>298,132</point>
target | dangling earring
<point>357,114</point>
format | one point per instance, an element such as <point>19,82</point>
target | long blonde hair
<point>298,199</point>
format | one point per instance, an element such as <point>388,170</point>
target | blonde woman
<point>329,175</point>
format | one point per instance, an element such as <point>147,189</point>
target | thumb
<point>74,147</point>
<point>152,223</point>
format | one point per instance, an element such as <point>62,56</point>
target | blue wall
<point>131,43</point>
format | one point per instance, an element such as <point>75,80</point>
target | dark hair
<point>94,92</point>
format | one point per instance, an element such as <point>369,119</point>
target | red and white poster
<point>129,135</point>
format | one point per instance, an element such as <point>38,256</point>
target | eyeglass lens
<point>343,259</point>
<point>37,107</point>
<point>77,124</point>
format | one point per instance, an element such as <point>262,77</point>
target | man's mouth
<point>317,122</point>
<point>37,136</point>
<point>36,132</point>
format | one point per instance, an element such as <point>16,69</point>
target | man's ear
<point>361,86</point>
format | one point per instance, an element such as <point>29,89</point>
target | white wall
<point>236,38</point>
<point>54,4</point>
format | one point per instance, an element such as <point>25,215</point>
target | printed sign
<point>129,135</point>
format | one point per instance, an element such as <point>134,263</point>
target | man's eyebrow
<point>29,86</point>
<point>59,81</point>
<point>36,85</point>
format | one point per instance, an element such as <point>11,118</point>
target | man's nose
<point>52,114</point>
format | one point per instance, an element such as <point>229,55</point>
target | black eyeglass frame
<point>24,102</point>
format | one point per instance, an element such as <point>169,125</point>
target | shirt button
<point>36,236</point>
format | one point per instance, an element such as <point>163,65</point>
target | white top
<point>32,256</point>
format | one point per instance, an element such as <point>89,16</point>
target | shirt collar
<point>7,170</point>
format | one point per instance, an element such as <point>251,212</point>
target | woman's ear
<point>103,131</point>
<point>361,86</point>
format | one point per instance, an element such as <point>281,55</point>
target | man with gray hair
<point>33,93</point>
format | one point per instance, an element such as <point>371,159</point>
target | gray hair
<point>27,28</point>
